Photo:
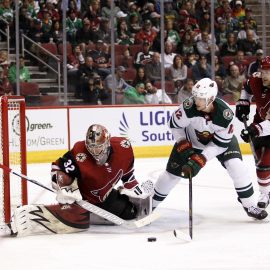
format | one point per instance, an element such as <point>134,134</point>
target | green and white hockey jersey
<point>209,132</point>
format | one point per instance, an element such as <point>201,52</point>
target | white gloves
<point>135,190</point>
<point>67,191</point>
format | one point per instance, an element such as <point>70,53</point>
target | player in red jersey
<point>92,168</point>
<point>89,171</point>
<point>258,86</point>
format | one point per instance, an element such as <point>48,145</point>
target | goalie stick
<point>132,224</point>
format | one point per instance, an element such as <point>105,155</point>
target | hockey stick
<point>132,224</point>
<point>250,139</point>
<point>178,233</point>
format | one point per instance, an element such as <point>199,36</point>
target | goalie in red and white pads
<point>89,171</point>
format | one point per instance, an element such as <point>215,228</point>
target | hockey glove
<point>185,150</point>
<point>67,191</point>
<point>250,132</point>
<point>193,166</point>
<point>242,109</point>
<point>135,190</point>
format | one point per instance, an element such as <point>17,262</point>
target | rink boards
<point>52,131</point>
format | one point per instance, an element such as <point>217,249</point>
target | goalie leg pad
<point>51,219</point>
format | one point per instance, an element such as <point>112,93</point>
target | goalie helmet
<point>205,88</point>
<point>98,143</point>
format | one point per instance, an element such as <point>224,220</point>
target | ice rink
<point>224,237</point>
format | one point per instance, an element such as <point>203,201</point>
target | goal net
<point>13,190</point>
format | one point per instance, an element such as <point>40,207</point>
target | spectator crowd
<point>137,47</point>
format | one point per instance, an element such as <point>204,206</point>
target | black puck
<point>151,239</point>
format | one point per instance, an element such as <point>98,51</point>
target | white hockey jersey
<point>211,133</point>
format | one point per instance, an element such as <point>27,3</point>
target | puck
<point>151,239</point>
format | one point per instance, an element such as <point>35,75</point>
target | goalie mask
<point>205,89</point>
<point>98,143</point>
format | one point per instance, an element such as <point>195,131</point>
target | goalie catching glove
<point>135,190</point>
<point>67,191</point>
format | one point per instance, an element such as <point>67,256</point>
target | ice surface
<point>224,237</point>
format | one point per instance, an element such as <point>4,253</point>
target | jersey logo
<point>81,157</point>
<point>188,103</point>
<point>125,143</point>
<point>102,193</point>
<point>228,114</point>
<point>204,137</point>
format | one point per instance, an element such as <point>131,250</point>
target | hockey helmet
<point>265,63</point>
<point>98,143</point>
<point>205,88</point>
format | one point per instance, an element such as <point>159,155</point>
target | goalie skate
<point>256,213</point>
<point>263,200</point>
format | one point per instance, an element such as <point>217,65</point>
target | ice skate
<point>263,200</point>
<point>256,212</point>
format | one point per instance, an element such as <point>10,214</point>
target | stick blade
<point>181,235</point>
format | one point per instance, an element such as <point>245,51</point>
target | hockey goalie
<point>89,171</point>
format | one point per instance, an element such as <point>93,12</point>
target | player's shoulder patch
<point>81,157</point>
<point>223,114</point>
<point>188,103</point>
<point>228,114</point>
<point>125,143</point>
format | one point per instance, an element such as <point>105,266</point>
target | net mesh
<point>14,157</point>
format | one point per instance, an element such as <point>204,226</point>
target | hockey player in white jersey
<point>203,129</point>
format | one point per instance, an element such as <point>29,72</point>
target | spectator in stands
<point>140,77</point>
<point>106,11</point>
<point>239,10</point>
<point>251,21</point>
<point>120,83</point>
<point>84,74</point>
<point>202,69</point>
<point>168,54</point>
<point>6,13</point>
<point>46,26</point>
<point>5,86</point>
<point>155,96</point>
<point>24,72</point>
<point>204,45</point>
<point>84,35</point>
<point>220,71</point>
<point>242,34</point>
<point>4,61</point>
<point>134,23</point>
<point>169,12</point>
<point>172,34</point>
<point>147,10</point>
<point>185,91</point>
<point>155,20</point>
<point>25,18</point>
<point>241,62</point>
<point>102,60</point>
<point>222,8</point>
<point>232,22</point>
<point>57,33</point>
<point>94,93</point>
<point>229,48</point>
<point>249,45</point>
<point>187,22</point>
<point>201,7</point>
<point>205,21</point>
<point>192,60</point>
<point>146,33</point>
<point>221,33</point>
<point>54,13</point>
<point>255,65</point>
<point>123,36</point>
<point>73,23</point>
<point>135,95</point>
<point>233,83</point>
<point>103,32</point>
<point>178,71</point>
<point>188,45</point>
<point>153,68</point>
<point>93,14</point>
<point>145,56</point>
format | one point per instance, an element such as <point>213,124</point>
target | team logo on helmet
<point>125,143</point>
<point>188,103</point>
<point>228,114</point>
<point>81,157</point>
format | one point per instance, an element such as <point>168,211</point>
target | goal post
<point>13,192</point>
